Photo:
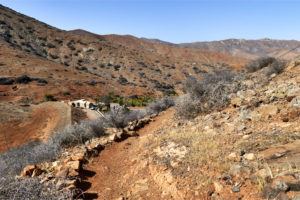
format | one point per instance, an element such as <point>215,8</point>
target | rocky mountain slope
<point>285,49</point>
<point>250,49</point>
<point>108,59</point>
<point>247,149</point>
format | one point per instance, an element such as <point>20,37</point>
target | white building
<point>82,104</point>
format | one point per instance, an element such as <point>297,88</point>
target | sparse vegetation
<point>49,97</point>
<point>67,93</point>
<point>159,106</point>
<point>77,115</point>
<point>23,79</point>
<point>274,65</point>
<point>31,153</point>
<point>6,81</point>
<point>211,92</point>
<point>78,133</point>
<point>92,83</point>
<point>259,63</point>
<point>30,188</point>
<point>49,45</point>
<point>131,101</point>
<point>120,117</point>
<point>37,152</point>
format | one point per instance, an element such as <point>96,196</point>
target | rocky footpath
<point>65,172</point>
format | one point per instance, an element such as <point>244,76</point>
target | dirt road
<point>39,122</point>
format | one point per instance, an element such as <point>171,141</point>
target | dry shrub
<point>121,116</point>
<point>14,160</point>
<point>276,67</point>
<point>211,92</point>
<point>273,65</point>
<point>259,63</point>
<point>161,105</point>
<point>78,133</point>
<point>30,189</point>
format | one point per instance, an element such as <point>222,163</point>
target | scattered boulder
<point>241,128</point>
<point>280,186</point>
<point>295,102</point>
<point>62,172</point>
<point>234,157</point>
<point>75,165</point>
<point>249,156</point>
<point>263,173</point>
<point>31,171</point>
<point>268,110</point>
<point>290,114</point>
<point>282,196</point>
<point>235,189</point>
<point>218,187</point>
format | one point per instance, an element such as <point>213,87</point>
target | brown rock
<point>282,196</point>
<point>234,157</point>
<point>80,158</point>
<point>62,172</point>
<point>74,165</point>
<point>122,135</point>
<point>73,172</point>
<point>268,110</point>
<point>249,156</point>
<point>132,133</point>
<point>31,170</point>
<point>36,172</point>
<point>218,187</point>
<point>290,114</point>
<point>263,173</point>
<point>236,102</point>
<point>113,137</point>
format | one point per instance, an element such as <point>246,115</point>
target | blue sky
<point>170,20</point>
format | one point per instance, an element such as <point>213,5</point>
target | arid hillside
<point>285,49</point>
<point>248,149</point>
<point>249,49</point>
<point>218,134</point>
<point>52,78</point>
<point>110,58</point>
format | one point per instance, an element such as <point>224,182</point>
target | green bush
<point>132,101</point>
<point>49,97</point>
<point>67,93</point>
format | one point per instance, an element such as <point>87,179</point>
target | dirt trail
<point>91,114</point>
<point>121,169</point>
<point>46,118</point>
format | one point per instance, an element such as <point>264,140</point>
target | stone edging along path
<point>66,170</point>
